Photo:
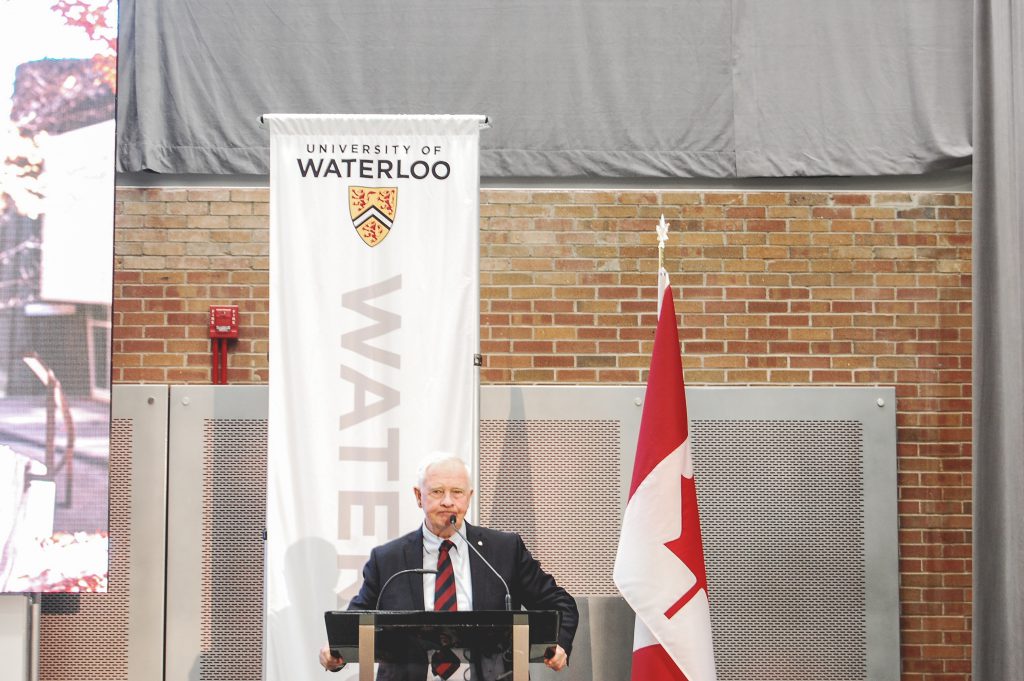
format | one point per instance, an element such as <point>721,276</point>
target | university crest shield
<point>373,212</point>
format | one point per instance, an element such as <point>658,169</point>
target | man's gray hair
<point>435,458</point>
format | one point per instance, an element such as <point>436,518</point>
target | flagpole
<point>660,558</point>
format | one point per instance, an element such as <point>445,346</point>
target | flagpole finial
<point>662,229</point>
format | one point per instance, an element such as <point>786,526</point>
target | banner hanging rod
<point>483,120</point>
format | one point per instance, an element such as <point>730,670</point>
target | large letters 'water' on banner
<point>374,323</point>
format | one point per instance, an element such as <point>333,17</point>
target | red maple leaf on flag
<point>688,546</point>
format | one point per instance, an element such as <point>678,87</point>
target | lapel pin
<point>479,543</point>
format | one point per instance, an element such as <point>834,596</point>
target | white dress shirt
<point>459,555</point>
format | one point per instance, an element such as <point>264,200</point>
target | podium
<point>406,636</point>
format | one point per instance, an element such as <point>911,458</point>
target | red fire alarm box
<point>223,321</point>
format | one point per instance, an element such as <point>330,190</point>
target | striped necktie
<point>444,662</point>
<point>444,585</point>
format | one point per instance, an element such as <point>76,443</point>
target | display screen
<point>57,83</point>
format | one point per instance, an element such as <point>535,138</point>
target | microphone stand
<point>413,571</point>
<point>508,594</point>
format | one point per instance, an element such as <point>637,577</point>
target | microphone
<point>508,594</point>
<point>413,571</point>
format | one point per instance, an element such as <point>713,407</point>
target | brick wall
<point>782,288</point>
<point>176,252</point>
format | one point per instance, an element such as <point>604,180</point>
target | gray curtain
<point>998,650</point>
<point>602,88</point>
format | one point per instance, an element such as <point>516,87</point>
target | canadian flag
<point>659,568</point>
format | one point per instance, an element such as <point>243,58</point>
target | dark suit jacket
<point>531,587</point>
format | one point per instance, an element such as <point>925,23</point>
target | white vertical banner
<point>374,325</point>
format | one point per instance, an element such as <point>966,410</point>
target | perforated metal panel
<point>217,502</point>
<point>234,503</point>
<point>117,636</point>
<point>782,511</point>
<point>93,628</point>
<point>570,537</point>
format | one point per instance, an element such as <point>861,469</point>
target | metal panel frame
<point>16,640</point>
<point>873,407</point>
<point>190,407</point>
<point>604,640</point>
<point>146,407</point>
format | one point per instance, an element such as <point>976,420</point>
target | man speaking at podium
<point>463,580</point>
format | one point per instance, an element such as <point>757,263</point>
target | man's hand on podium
<point>328,661</point>
<point>556,658</point>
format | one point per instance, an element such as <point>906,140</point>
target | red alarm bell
<point>223,325</point>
